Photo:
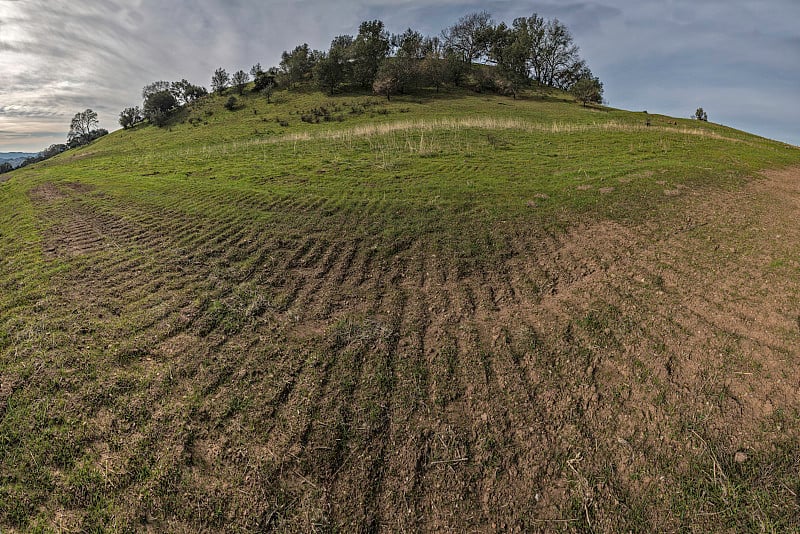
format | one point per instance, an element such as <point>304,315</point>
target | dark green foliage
<point>232,103</point>
<point>265,83</point>
<point>220,80</point>
<point>531,49</point>
<point>263,80</point>
<point>701,115</point>
<point>194,92</point>
<point>370,48</point>
<point>509,49</point>
<point>406,65</point>
<point>328,73</point>
<point>86,138</point>
<point>334,68</point>
<point>587,90</point>
<point>469,38</point>
<point>433,67</point>
<point>239,80</point>
<point>298,65</point>
<point>186,92</point>
<point>155,87</point>
<point>158,107</point>
<point>130,117</point>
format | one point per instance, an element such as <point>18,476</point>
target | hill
<point>444,312</point>
<point>15,158</point>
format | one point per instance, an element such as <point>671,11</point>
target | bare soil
<point>612,377</point>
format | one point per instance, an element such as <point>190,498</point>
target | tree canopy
<point>239,80</point>
<point>158,107</point>
<point>82,124</point>
<point>220,80</point>
<point>130,117</point>
<point>588,89</point>
<point>474,52</point>
<point>297,66</point>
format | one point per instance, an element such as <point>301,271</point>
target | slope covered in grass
<point>452,311</point>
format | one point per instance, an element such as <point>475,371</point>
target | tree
<point>334,68</point>
<point>53,150</point>
<point>589,89</point>
<point>268,90</point>
<point>185,92</point>
<point>433,68</point>
<point>469,36</point>
<point>538,48</point>
<point>239,80</point>
<point>396,75</point>
<point>265,84</point>
<point>83,139</point>
<point>572,74</point>
<point>557,54</point>
<point>370,48</point>
<point>130,117</point>
<point>159,106</point>
<point>82,124</point>
<point>298,65</point>
<point>155,87</point>
<point>328,73</point>
<point>255,70</point>
<point>701,115</point>
<point>264,79</point>
<point>409,44</point>
<point>455,70</point>
<point>385,84</point>
<point>220,80</point>
<point>194,92</point>
<point>509,49</point>
<point>407,64</point>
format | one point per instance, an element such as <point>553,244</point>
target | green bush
<point>232,103</point>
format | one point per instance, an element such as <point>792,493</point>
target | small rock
<point>740,457</point>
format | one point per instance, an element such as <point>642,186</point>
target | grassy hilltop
<point>444,312</point>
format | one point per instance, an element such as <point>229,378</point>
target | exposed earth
<point>611,377</point>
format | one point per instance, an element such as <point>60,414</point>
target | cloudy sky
<point>738,59</point>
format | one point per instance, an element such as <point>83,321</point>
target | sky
<point>738,59</point>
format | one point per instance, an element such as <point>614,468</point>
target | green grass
<point>228,302</point>
<point>435,173</point>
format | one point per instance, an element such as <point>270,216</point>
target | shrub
<point>158,107</point>
<point>587,90</point>
<point>232,103</point>
<point>701,115</point>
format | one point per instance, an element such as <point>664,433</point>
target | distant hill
<point>15,158</point>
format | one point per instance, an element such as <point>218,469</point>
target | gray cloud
<point>736,58</point>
